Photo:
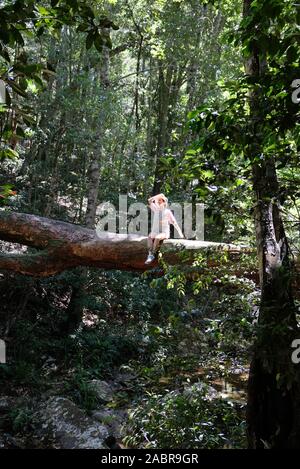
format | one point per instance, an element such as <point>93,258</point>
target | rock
<point>184,315</point>
<point>7,403</point>
<point>67,426</point>
<point>196,313</point>
<point>103,390</point>
<point>197,389</point>
<point>201,388</point>
<point>188,347</point>
<point>112,419</point>
<point>12,442</point>
<point>125,377</point>
<point>193,343</point>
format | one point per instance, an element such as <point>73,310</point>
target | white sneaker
<point>150,258</point>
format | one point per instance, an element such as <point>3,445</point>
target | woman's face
<point>161,201</point>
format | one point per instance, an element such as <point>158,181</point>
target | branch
<point>117,50</point>
<point>38,264</point>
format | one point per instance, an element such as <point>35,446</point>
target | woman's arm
<point>172,220</point>
<point>154,197</point>
<point>152,204</point>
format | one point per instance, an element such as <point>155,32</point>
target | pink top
<point>161,220</point>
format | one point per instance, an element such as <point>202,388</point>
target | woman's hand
<point>152,199</point>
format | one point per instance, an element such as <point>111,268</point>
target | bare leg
<point>158,240</point>
<point>150,243</point>
<point>153,246</point>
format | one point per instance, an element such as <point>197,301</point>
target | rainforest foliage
<point>196,99</point>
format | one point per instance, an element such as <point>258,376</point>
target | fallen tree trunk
<point>62,245</point>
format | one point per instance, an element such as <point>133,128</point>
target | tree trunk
<point>62,245</point>
<point>73,316</point>
<point>93,175</point>
<point>94,167</point>
<point>273,392</point>
<point>164,84</point>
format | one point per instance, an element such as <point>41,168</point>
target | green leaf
<point>43,11</point>
<point>108,42</point>
<point>4,54</point>
<point>8,153</point>
<point>40,31</point>
<point>98,41</point>
<point>17,89</point>
<point>83,27</point>
<point>16,36</point>
<point>89,39</point>
<point>20,132</point>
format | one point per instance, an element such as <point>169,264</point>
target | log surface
<point>60,245</point>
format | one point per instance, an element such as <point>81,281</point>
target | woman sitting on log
<point>160,230</point>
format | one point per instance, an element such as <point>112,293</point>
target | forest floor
<point>175,380</point>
